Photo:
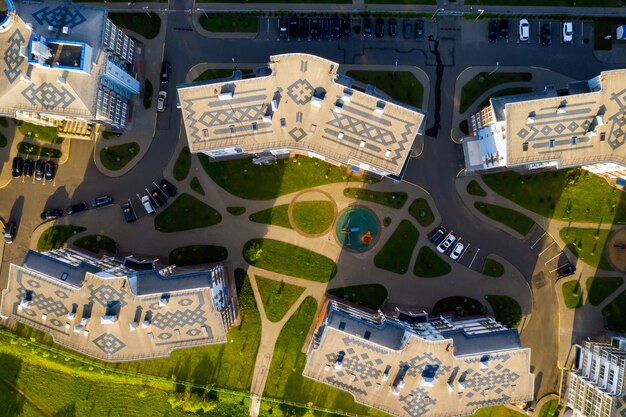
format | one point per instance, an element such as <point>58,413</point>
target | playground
<point>357,229</point>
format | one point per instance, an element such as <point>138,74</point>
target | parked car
<point>419,30</point>
<point>165,72</point>
<point>304,27</point>
<point>294,27</point>
<point>335,28</point>
<point>39,169</point>
<point>566,270</point>
<point>283,24</point>
<point>546,35</point>
<point>324,28</point>
<point>129,213</point>
<point>446,243</point>
<point>101,201</point>
<point>51,214</point>
<point>568,32</point>
<point>367,28</point>
<point>380,28</point>
<point>524,30</point>
<point>29,167</point>
<point>437,234</point>
<point>346,25</point>
<point>493,30</point>
<point>407,29</point>
<point>77,208</point>
<point>167,187</point>
<point>393,28</point>
<point>51,169</point>
<point>145,201</point>
<point>504,29</point>
<point>9,232</point>
<point>314,29</point>
<point>18,167</point>
<point>457,251</point>
<point>162,101</point>
<point>158,197</point>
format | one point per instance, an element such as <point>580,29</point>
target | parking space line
<point>540,237</point>
<point>546,248</point>
<point>471,263</point>
<point>551,259</point>
<point>466,249</point>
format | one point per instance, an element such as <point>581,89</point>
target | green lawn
<point>511,218</point>
<point>506,310</point>
<point>288,259</point>
<point>474,188</point>
<point>196,186</point>
<point>420,210</point>
<point>3,140</point>
<point>4,122</point>
<point>285,380</point>
<point>460,306</point>
<point>482,82</point>
<point>313,217</point>
<point>587,245</point>
<point>182,164</point>
<point>387,221</point>
<point>96,243</point>
<point>368,295</point>
<point>578,3</point>
<point>464,127</point>
<point>116,157</point>
<point>236,210</point>
<point>393,200</point>
<point>186,213</point>
<point>571,194</point>
<point>277,297</point>
<point>493,268</point>
<point>572,294</point>
<point>550,409</point>
<point>42,133</point>
<point>601,29</point>
<point>147,25</point>
<point>215,73</point>
<point>230,22</point>
<point>148,92</point>
<point>429,264</point>
<point>36,150</point>
<point>432,2</point>
<point>615,314</point>
<point>599,288</point>
<point>395,255</point>
<point>197,254</point>
<point>499,411</point>
<point>56,236</point>
<point>265,182</point>
<point>280,1</point>
<point>506,92</point>
<point>277,215</point>
<point>401,86</point>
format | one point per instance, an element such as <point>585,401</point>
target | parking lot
<point>459,250</point>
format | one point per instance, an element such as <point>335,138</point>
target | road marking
<point>547,247</point>
<point>463,253</point>
<point>268,26</point>
<point>540,237</point>
<point>471,263</point>
<point>555,256</point>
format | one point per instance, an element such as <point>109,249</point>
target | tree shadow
<point>12,402</point>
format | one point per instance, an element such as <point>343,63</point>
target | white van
<point>145,200</point>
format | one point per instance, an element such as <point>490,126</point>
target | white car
<point>524,30</point>
<point>457,251</point>
<point>145,200</point>
<point>162,101</point>
<point>568,31</point>
<point>447,242</point>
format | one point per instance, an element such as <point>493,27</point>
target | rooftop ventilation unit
<point>316,101</point>
<point>225,96</point>
<point>50,28</point>
<point>380,107</point>
<point>561,109</point>
<point>66,30</point>
<point>531,119</point>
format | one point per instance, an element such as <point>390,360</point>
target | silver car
<point>447,242</point>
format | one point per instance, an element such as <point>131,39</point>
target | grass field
<point>277,215</point>
<point>147,25</point>
<point>482,82</point>
<point>236,210</point>
<point>230,22</point>
<point>499,411</point>
<point>429,264</point>
<point>572,194</point>
<point>186,213</point>
<point>368,295</point>
<point>197,254</point>
<point>182,164</point>
<point>116,157</point>
<point>615,313</point>
<point>148,93</point>
<point>42,133</point>
<point>277,297</point>
<point>572,294</point>
<point>313,217</point>
<point>511,218</point>
<point>401,86</point>
<point>265,182</point>
<point>56,236</point>
<point>505,309</point>
<point>36,150</point>
<point>395,255</point>
<point>599,288</point>
<point>288,259</point>
<point>460,306</point>
<point>551,408</point>
<point>587,245</point>
<point>389,199</point>
<point>3,140</point>
<point>474,188</point>
<point>195,185</point>
<point>96,243</point>
<point>421,211</point>
<point>493,268</point>
<point>506,92</point>
<point>217,73</point>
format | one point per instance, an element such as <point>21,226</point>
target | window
<point>552,143</point>
<point>367,335</point>
<point>574,140</point>
<point>254,126</point>
<point>342,325</point>
<point>283,122</point>
<point>232,128</point>
<point>525,146</point>
<point>205,133</point>
<point>602,136</point>
<point>64,276</point>
<point>312,129</point>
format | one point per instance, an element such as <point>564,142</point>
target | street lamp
<point>481,11</point>
<point>437,12</point>
<point>395,68</point>
<point>497,66</point>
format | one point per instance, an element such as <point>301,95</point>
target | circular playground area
<point>616,250</point>
<point>357,229</point>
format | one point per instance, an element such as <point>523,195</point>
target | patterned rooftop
<point>312,112</point>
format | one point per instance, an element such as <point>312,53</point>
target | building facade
<point>411,365</point>
<point>594,387</point>
<point>581,125</point>
<point>66,66</point>
<point>120,309</point>
<point>299,103</point>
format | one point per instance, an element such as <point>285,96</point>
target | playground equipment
<point>357,229</point>
<point>620,246</point>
